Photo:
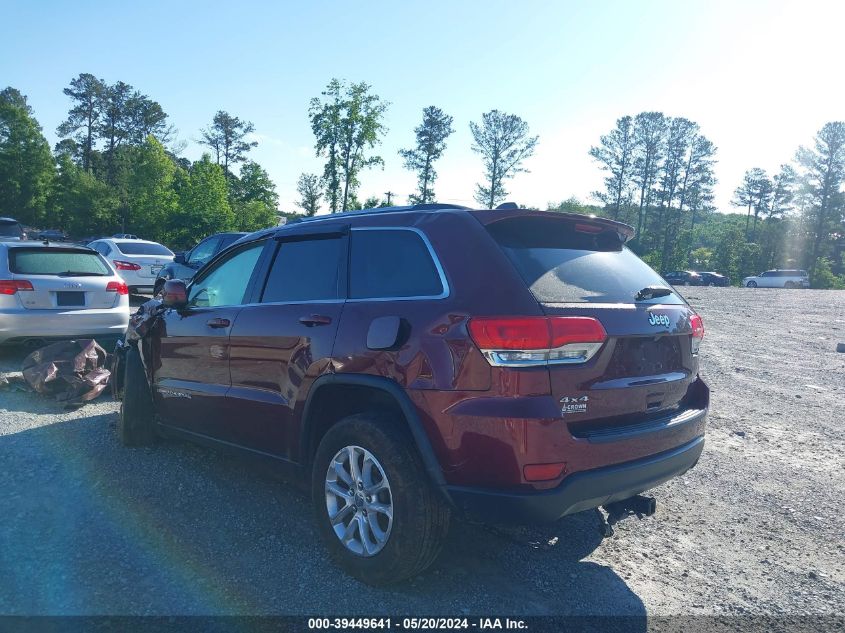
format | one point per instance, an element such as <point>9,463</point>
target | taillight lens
<point>117,286</point>
<point>524,341</point>
<point>11,286</point>
<point>697,326</point>
<point>125,265</point>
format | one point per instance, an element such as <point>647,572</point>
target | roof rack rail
<point>435,206</point>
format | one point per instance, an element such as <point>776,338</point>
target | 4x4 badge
<point>574,404</point>
<point>658,319</point>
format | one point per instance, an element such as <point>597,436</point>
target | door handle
<point>217,323</point>
<point>315,319</point>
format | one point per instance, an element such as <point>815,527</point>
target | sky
<point>759,77</point>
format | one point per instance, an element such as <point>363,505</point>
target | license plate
<point>70,299</point>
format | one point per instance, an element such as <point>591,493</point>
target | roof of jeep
<point>485,216</point>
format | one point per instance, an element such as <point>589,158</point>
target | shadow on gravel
<point>89,527</point>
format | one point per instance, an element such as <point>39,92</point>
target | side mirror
<point>180,258</point>
<point>174,294</point>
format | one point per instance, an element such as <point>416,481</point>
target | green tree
<point>431,135</point>
<point>347,124</point>
<point>228,139</point>
<point>755,194</point>
<point>310,190</point>
<point>504,143</point>
<point>203,204</point>
<point>26,165</point>
<point>615,154</point>
<point>254,184</point>
<point>82,123</point>
<point>116,124</point>
<point>649,136</point>
<point>823,167</point>
<point>80,203</point>
<point>147,182</point>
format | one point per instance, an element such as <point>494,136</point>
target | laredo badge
<point>574,404</point>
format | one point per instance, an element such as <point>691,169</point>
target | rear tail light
<point>125,265</point>
<point>525,341</point>
<point>117,286</point>
<point>697,326</point>
<point>11,286</point>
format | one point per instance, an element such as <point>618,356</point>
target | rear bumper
<point>20,326</point>
<point>579,491</point>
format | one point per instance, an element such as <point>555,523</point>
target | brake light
<point>523,341</point>
<point>11,286</point>
<point>697,326</point>
<point>120,265</point>
<point>117,286</point>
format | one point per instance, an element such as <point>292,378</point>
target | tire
<point>712,284</point>
<point>686,283</point>
<point>136,426</point>
<point>789,285</point>
<point>157,287</point>
<point>414,534</point>
<point>751,284</point>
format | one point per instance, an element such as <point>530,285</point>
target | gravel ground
<point>87,527</point>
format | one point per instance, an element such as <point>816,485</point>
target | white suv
<point>779,279</point>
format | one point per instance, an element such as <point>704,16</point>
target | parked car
<point>684,278</point>
<point>11,230</point>
<point>714,279</point>
<point>52,235</point>
<point>788,278</point>
<point>54,292</point>
<point>185,264</point>
<point>406,381</point>
<point>125,236</point>
<point>138,262</point>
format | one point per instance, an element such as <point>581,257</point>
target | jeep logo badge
<point>658,319</point>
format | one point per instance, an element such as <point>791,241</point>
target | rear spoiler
<point>624,231</point>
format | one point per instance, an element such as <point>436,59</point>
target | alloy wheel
<point>359,501</point>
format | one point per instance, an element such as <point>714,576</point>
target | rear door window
<point>10,229</point>
<point>392,264</point>
<point>305,270</point>
<point>562,264</point>
<point>144,248</point>
<point>54,261</point>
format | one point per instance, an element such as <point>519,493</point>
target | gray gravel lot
<point>87,527</point>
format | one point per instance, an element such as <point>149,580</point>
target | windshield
<point>10,229</point>
<point>143,248</point>
<point>562,265</point>
<point>51,261</point>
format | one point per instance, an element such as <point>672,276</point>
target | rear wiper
<point>652,292</point>
<point>72,273</point>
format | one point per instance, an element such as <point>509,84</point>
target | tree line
<point>117,168</point>
<point>660,178</point>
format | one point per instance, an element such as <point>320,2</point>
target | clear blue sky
<point>759,77</point>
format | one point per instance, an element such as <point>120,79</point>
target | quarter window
<point>391,263</point>
<point>226,283</point>
<point>307,270</point>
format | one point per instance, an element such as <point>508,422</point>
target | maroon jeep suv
<point>411,363</point>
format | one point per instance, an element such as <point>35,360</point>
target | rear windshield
<point>10,229</point>
<point>563,265</point>
<point>143,248</point>
<point>54,261</point>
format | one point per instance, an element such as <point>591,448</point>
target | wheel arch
<point>381,394</point>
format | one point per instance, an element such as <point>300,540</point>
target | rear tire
<point>136,426</point>
<point>789,285</point>
<point>751,284</point>
<point>158,287</point>
<point>419,519</point>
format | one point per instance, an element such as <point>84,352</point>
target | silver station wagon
<point>55,292</point>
